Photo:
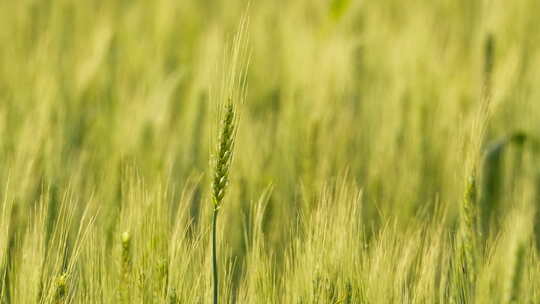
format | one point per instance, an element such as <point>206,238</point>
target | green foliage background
<point>357,142</point>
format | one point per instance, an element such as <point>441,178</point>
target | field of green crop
<point>358,151</point>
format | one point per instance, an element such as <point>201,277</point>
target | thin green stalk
<point>214,256</point>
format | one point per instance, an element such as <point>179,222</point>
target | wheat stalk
<point>221,179</point>
<point>233,90</point>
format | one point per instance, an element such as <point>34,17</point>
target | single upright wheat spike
<point>224,154</point>
<point>221,176</point>
<point>232,93</point>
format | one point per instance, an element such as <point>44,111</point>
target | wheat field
<point>358,151</point>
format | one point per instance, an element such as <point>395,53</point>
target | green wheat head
<point>224,153</point>
<point>231,94</point>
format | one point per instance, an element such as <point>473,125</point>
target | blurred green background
<point>106,119</point>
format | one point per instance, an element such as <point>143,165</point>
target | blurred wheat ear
<point>464,267</point>
<point>489,62</point>
<point>517,273</point>
<point>493,180</point>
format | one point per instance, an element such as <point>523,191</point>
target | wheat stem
<point>214,256</point>
<point>220,181</point>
